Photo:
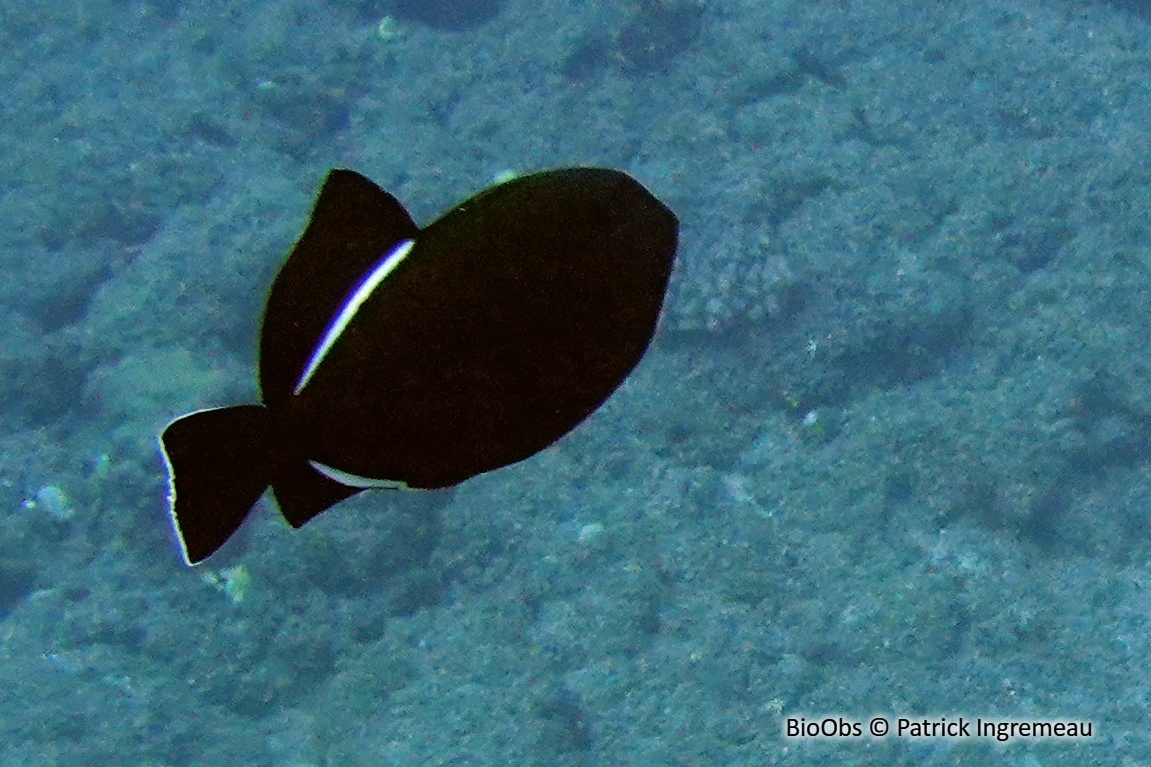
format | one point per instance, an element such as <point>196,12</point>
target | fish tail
<point>220,462</point>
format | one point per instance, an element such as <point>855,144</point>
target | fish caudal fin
<point>219,464</point>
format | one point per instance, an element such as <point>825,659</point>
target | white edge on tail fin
<point>172,485</point>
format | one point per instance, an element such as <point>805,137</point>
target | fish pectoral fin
<point>303,492</point>
<point>219,464</point>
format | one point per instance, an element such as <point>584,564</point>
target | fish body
<point>395,356</point>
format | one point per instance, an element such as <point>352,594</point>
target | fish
<point>394,356</point>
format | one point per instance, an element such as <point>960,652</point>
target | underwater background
<point>890,454</point>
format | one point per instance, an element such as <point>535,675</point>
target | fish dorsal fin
<point>353,224</point>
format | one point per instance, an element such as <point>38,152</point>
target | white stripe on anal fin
<point>353,304</point>
<point>354,480</point>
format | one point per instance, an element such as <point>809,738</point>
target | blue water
<point>890,455</point>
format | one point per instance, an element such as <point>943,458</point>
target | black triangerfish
<point>396,356</point>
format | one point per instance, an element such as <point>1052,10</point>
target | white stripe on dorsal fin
<point>353,304</point>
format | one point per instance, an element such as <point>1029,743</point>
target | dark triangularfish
<point>397,356</point>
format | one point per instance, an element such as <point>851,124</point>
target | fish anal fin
<point>304,493</point>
